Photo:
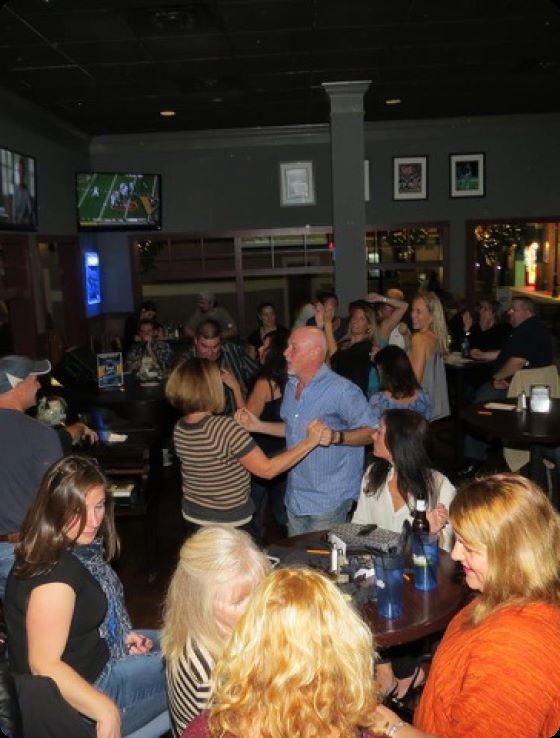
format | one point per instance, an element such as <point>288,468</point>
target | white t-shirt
<point>378,508</point>
<point>396,338</point>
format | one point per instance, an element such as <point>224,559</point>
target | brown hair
<point>60,499</point>
<point>510,518</point>
<point>195,385</point>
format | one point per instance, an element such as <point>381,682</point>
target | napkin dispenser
<point>539,400</point>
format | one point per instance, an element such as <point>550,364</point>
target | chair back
<point>522,381</point>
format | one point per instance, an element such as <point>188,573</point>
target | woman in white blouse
<point>400,471</point>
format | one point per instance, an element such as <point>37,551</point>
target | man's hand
<point>319,433</point>
<point>500,383</point>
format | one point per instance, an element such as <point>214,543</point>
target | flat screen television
<point>18,191</point>
<point>117,201</point>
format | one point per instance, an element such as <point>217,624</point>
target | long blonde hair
<point>511,519</point>
<point>299,664</point>
<point>438,324</point>
<point>211,557</point>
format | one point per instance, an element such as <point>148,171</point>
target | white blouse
<point>378,508</point>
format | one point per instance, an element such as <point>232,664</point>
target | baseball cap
<point>14,369</point>
<point>208,296</point>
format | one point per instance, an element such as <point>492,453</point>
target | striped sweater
<point>188,685</point>
<point>216,486</point>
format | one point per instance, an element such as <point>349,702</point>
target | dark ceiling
<point>111,66</point>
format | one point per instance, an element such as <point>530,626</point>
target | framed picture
<point>296,183</point>
<point>366,180</point>
<point>466,173</point>
<point>410,178</point>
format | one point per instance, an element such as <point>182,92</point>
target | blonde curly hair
<point>299,664</point>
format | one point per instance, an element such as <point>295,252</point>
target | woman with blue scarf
<point>65,610</point>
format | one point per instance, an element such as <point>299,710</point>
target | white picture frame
<point>297,186</point>
<point>410,178</point>
<point>467,175</point>
<point>366,181</point>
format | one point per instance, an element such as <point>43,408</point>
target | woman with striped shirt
<point>218,570</point>
<point>217,455</point>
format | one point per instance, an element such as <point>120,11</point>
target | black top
<point>271,445</point>
<point>489,340</point>
<point>255,337</point>
<point>354,363</point>
<point>531,340</point>
<point>86,652</point>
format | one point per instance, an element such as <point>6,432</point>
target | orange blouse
<point>500,678</point>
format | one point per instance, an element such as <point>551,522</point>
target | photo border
<point>457,159</point>
<point>398,161</point>
<point>287,170</point>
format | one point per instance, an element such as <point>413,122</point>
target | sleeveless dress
<point>434,382</point>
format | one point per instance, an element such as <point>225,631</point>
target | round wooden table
<point>424,613</point>
<point>525,430</point>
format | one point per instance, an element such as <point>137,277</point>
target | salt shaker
<point>521,402</point>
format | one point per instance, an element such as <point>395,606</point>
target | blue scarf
<point>117,624</point>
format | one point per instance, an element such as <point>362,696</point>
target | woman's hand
<point>385,719</point>
<point>229,379</point>
<point>374,297</point>
<point>467,320</point>
<point>137,644</point>
<point>437,518</point>
<point>319,309</point>
<point>246,418</point>
<point>109,721</point>
<point>328,314</point>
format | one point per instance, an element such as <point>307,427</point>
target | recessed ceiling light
<point>217,99</point>
<point>393,101</point>
<point>167,113</point>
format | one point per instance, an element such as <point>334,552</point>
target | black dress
<point>354,363</point>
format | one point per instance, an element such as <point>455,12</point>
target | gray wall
<point>225,180</point>
<point>229,180</point>
<point>60,151</point>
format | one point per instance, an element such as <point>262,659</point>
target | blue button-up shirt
<point>330,475</point>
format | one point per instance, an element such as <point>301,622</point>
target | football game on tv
<point>18,198</point>
<point>118,201</point>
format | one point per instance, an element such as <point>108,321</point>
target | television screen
<point>18,192</point>
<point>116,201</point>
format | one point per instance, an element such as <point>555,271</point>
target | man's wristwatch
<point>338,438</point>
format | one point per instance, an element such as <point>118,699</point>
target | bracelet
<point>393,729</point>
<point>339,438</point>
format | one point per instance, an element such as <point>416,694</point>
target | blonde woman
<point>218,570</point>
<point>496,671</point>
<point>429,346</point>
<point>299,663</point>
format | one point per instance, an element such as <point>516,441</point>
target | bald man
<point>322,487</point>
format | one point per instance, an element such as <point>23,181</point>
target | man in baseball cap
<point>16,369</point>
<point>27,448</point>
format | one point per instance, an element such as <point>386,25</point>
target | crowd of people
<point>283,423</point>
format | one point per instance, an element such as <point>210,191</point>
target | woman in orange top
<point>496,671</point>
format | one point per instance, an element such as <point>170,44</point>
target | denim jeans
<point>137,685</point>
<point>6,563</point>
<point>298,524</point>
